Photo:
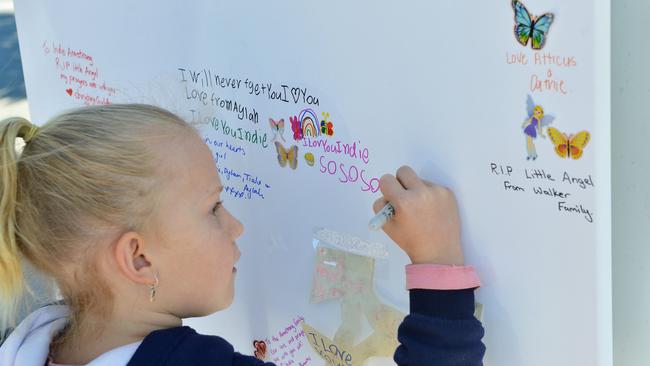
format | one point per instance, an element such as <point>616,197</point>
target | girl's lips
<point>234,269</point>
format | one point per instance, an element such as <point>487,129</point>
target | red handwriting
<point>547,81</point>
<point>546,59</point>
<point>550,84</point>
<point>79,74</point>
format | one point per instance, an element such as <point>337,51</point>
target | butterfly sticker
<point>530,27</point>
<point>278,128</point>
<point>571,146</point>
<point>296,127</point>
<point>287,155</point>
<point>260,349</point>
<point>326,127</point>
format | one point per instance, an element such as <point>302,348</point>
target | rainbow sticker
<point>308,121</point>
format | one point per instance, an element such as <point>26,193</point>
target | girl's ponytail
<point>12,283</point>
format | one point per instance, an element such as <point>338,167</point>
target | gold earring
<point>152,290</point>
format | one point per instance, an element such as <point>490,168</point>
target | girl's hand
<point>426,223</point>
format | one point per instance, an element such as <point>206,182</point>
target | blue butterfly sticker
<point>530,27</point>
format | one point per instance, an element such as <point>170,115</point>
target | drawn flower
<point>326,126</point>
<point>296,128</point>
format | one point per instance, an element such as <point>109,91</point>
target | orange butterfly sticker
<point>571,146</point>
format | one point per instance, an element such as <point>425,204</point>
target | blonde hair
<point>82,178</point>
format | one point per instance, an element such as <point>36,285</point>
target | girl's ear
<point>132,258</point>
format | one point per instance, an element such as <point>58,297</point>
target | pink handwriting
<point>350,174</point>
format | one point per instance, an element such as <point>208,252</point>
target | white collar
<point>29,343</point>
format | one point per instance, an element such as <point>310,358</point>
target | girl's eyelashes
<point>216,207</point>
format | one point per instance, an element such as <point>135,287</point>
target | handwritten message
<point>237,183</point>
<point>222,105</point>
<point>287,346</point>
<point>558,187</point>
<point>350,171</point>
<point>79,73</point>
<point>330,352</point>
<point>207,78</point>
<point>544,78</point>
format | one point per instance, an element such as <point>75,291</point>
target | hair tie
<point>30,134</point>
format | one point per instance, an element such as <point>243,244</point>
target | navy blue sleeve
<point>245,360</point>
<point>441,330</point>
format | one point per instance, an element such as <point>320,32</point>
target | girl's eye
<point>216,207</point>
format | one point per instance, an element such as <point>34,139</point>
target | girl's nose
<point>236,226</point>
<point>239,228</point>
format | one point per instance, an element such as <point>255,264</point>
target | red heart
<point>69,91</point>
<point>260,349</point>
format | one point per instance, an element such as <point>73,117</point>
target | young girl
<point>121,206</point>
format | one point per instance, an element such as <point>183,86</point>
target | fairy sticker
<point>533,126</point>
<point>528,27</point>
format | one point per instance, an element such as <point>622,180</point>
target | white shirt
<point>29,343</point>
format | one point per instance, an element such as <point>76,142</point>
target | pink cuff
<point>441,277</point>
